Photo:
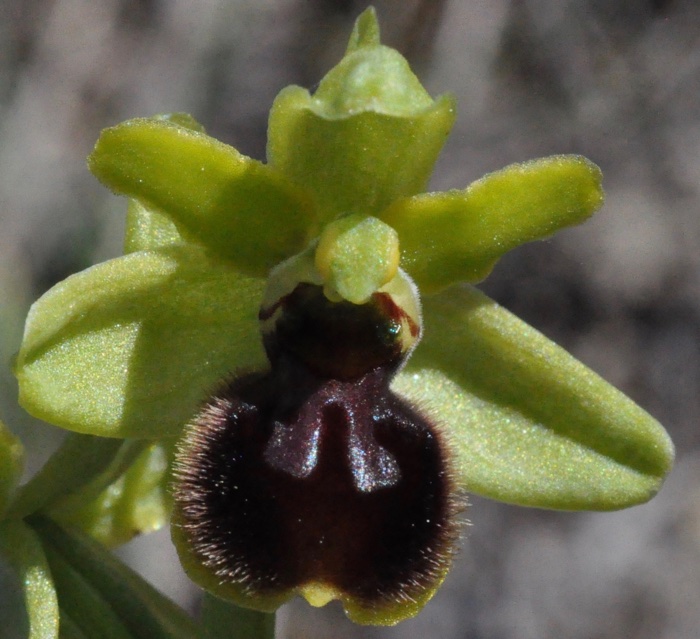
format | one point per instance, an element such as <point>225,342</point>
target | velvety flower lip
<point>131,347</point>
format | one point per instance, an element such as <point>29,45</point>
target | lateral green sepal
<point>131,347</point>
<point>527,422</point>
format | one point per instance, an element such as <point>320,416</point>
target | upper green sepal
<point>238,208</point>
<point>527,422</point>
<point>458,236</point>
<point>370,133</point>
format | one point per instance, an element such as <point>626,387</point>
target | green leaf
<point>527,422</point>
<point>69,629</point>
<point>135,503</point>
<point>458,236</point>
<point>141,609</point>
<point>83,605</point>
<point>77,462</point>
<point>223,620</point>
<point>22,550</point>
<point>370,134</point>
<point>237,207</point>
<point>11,464</point>
<point>131,347</point>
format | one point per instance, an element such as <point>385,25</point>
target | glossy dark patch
<point>336,339</point>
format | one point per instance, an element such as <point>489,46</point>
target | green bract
<point>131,347</point>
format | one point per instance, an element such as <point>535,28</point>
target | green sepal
<point>22,551</point>
<point>370,133</point>
<point>528,423</point>
<point>131,347</point>
<point>238,208</point>
<point>11,465</point>
<point>135,503</point>
<point>142,611</point>
<point>77,462</point>
<point>458,236</point>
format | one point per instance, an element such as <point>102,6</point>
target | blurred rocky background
<point>616,81</point>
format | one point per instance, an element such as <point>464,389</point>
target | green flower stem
<point>22,549</point>
<point>11,463</point>
<point>142,610</point>
<point>78,461</point>
<point>224,620</point>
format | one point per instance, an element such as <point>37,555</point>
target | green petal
<point>458,236</point>
<point>529,424</point>
<point>131,347</point>
<point>11,464</point>
<point>370,134</point>
<point>140,609</point>
<point>135,503</point>
<point>237,207</point>
<point>22,550</point>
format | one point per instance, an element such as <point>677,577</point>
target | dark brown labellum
<point>292,479</point>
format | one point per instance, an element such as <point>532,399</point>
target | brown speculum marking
<point>316,472</point>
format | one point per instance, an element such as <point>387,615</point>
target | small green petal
<point>458,236</point>
<point>370,134</point>
<point>357,240</point>
<point>135,503</point>
<point>131,347</point>
<point>21,548</point>
<point>11,464</point>
<point>237,207</point>
<point>141,610</point>
<point>529,424</point>
<point>147,229</point>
